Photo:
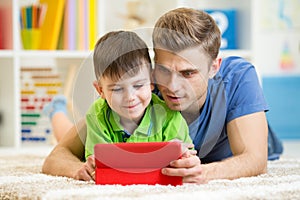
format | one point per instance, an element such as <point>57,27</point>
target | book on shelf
<point>50,28</point>
<point>5,27</point>
<point>61,24</point>
<point>1,30</point>
<point>80,25</point>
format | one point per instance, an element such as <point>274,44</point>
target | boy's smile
<point>128,96</point>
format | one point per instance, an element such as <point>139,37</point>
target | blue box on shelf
<point>226,20</point>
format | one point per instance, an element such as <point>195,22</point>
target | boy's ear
<point>99,89</point>
<point>215,67</point>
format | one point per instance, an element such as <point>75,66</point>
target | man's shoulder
<point>234,65</point>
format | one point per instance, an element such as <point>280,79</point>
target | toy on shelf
<point>38,86</point>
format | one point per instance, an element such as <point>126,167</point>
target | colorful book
<point>1,30</point>
<point>70,25</point>
<point>92,30</point>
<point>52,23</point>
<point>80,28</point>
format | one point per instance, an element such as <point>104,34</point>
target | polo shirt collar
<point>143,128</point>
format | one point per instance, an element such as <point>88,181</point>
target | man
<point>221,100</point>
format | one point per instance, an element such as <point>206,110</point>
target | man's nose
<point>173,82</point>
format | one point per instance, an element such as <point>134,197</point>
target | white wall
<point>276,36</point>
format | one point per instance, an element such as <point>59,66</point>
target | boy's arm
<point>66,157</point>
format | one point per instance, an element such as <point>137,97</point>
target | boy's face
<point>128,96</point>
<point>182,78</point>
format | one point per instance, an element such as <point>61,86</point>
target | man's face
<point>182,78</point>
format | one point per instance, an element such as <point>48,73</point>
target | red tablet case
<point>136,163</point>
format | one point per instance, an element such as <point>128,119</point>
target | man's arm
<point>66,158</point>
<point>248,137</point>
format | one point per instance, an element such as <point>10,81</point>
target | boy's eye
<point>116,89</point>
<point>137,86</point>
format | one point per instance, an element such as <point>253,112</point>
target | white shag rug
<point>21,178</point>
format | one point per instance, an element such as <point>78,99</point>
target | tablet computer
<point>136,155</point>
<point>135,163</point>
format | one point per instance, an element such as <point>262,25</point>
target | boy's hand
<point>87,171</point>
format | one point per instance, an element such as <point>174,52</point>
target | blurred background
<point>46,47</point>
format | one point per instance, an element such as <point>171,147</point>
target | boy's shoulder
<point>157,100</point>
<point>159,103</point>
<point>99,105</point>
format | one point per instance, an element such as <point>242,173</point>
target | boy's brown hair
<point>184,28</point>
<point>120,52</point>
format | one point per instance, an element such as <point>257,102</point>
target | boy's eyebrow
<point>141,80</point>
<point>112,85</point>
<point>116,84</point>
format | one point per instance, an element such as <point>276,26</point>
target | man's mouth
<point>174,99</point>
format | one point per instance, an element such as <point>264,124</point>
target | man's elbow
<point>262,164</point>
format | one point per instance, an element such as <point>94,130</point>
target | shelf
<point>6,53</point>
<point>54,54</point>
<point>13,58</point>
<point>238,52</point>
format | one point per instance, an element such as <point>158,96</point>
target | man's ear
<point>98,87</point>
<point>152,79</point>
<point>215,67</point>
<point>152,86</point>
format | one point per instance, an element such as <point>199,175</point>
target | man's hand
<point>87,171</point>
<point>188,167</point>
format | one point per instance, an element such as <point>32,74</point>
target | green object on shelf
<point>31,38</point>
<point>30,115</point>
<point>29,123</point>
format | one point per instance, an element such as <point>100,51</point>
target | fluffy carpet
<point>21,178</point>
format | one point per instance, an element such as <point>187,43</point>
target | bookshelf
<point>110,17</point>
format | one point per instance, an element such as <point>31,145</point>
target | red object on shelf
<point>136,163</point>
<point>1,30</point>
<point>6,25</point>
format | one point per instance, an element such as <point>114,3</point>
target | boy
<point>127,110</point>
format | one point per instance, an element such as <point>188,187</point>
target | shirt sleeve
<point>96,129</point>
<point>243,89</point>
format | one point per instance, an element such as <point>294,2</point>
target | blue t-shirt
<point>233,92</point>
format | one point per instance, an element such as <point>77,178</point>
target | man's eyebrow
<point>162,66</point>
<point>189,70</point>
<point>180,71</point>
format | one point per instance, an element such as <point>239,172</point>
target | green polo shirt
<point>159,124</point>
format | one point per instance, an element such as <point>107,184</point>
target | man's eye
<point>188,74</point>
